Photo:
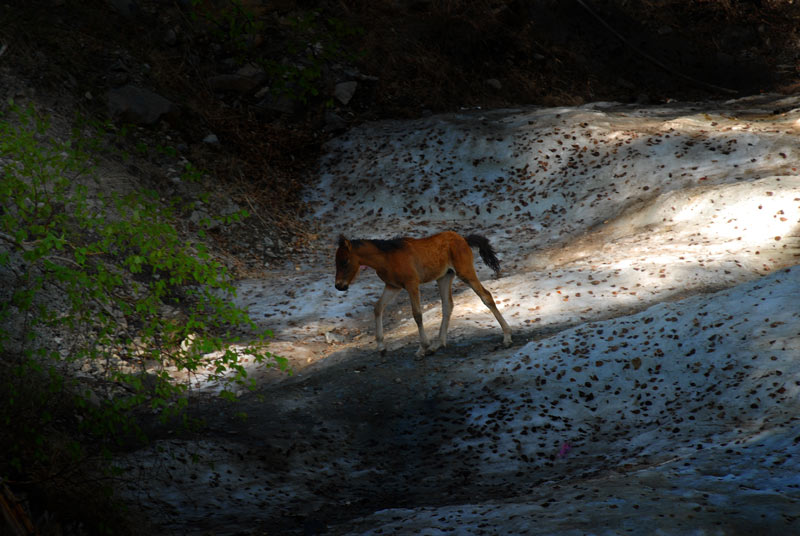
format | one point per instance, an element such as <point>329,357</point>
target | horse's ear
<point>343,242</point>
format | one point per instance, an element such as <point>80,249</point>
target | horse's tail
<point>485,249</point>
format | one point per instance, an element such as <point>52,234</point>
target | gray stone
<point>252,71</point>
<point>170,37</point>
<point>277,103</point>
<point>262,93</point>
<point>344,91</point>
<point>334,122</point>
<point>137,105</point>
<point>230,208</point>
<point>243,81</point>
<point>230,83</point>
<point>201,218</point>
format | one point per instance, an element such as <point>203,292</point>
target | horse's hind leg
<point>386,298</point>
<point>416,310</point>
<point>471,279</point>
<point>446,292</point>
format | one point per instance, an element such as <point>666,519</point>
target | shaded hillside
<point>271,80</point>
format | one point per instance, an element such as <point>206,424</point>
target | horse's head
<point>347,264</point>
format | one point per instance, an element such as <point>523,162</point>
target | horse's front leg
<point>386,298</point>
<point>416,311</point>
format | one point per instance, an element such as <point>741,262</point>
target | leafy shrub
<point>103,301</point>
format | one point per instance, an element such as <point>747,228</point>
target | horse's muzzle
<point>341,286</point>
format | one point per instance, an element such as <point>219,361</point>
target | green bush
<point>103,301</point>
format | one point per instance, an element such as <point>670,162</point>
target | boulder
<point>137,105</point>
<point>245,80</point>
<point>344,91</point>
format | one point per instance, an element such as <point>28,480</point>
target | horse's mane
<point>392,244</point>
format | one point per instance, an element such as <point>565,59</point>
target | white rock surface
<point>649,260</point>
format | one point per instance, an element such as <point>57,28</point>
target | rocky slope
<point>649,275</point>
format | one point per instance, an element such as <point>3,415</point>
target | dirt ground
<point>363,431</point>
<point>349,435</point>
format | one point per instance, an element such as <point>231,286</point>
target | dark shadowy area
<point>255,87</point>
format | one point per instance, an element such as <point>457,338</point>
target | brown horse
<point>405,263</point>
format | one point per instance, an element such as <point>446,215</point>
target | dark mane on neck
<point>383,245</point>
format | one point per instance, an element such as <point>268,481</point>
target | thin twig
<point>256,212</point>
<point>13,241</point>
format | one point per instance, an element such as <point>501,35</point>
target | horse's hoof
<point>383,352</point>
<point>507,342</point>
<point>421,353</point>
